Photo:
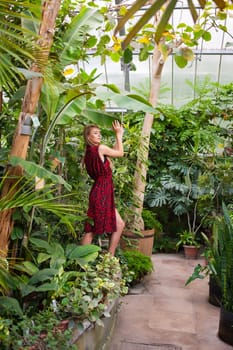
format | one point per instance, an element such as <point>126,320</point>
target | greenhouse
<point>116,199</point>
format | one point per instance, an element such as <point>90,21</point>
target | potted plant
<point>187,239</point>
<point>226,278</point>
<point>142,241</point>
<point>181,191</point>
<point>220,266</point>
<point>212,263</point>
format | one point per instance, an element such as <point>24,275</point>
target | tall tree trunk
<point>20,142</point>
<point>143,153</point>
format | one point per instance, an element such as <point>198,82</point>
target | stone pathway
<point>162,314</point>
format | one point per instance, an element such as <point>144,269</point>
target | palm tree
<point>49,11</point>
<point>16,46</point>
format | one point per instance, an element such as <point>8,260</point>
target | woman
<point>102,212</point>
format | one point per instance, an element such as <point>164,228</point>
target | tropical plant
<point>61,98</point>
<point>150,11</point>
<point>217,256</point>
<point>69,283</point>
<point>181,191</point>
<point>226,267</point>
<point>178,40</point>
<point>17,49</point>
<point>200,123</point>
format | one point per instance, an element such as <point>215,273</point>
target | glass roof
<point>213,61</point>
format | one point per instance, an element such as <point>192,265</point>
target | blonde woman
<point>102,211</point>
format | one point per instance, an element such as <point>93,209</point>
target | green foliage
<point>219,253</point>
<point>88,297</point>
<point>64,290</point>
<point>18,44</point>
<point>22,195</point>
<point>226,268</point>
<point>185,168</point>
<point>151,221</point>
<point>187,238</point>
<point>138,263</point>
<point>164,243</point>
<point>199,272</point>
<point>42,331</point>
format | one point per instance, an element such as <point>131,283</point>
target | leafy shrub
<point>80,289</point>
<point>137,263</point>
<point>151,221</point>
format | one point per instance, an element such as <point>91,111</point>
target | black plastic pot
<point>225,330</point>
<point>215,293</point>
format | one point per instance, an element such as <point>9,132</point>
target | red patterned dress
<point>101,199</point>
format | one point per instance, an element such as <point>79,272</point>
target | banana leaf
<point>87,20</point>
<point>129,101</point>
<point>100,118</point>
<point>33,169</point>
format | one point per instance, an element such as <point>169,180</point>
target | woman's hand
<point>118,128</point>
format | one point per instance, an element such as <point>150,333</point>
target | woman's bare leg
<point>115,237</point>
<point>87,238</point>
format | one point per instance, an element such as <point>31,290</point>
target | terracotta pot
<point>190,251</point>
<point>63,325</point>
<point>143,244</point>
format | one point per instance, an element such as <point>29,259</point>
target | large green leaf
<point>86,21</point>
<point>26,266</point>
<point>99,117</point>
<point>41,244</point>
<point>130,101</point>
<point>71,108</point>
<point>10,305</point>
<point>49,98</point>
<point>82,251</point>
<point>42,257</point>
<point>6,280</point>
<point>42,275</point>
<point>47,287</point>
<point>33,169</point>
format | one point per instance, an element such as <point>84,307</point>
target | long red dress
<point>101,199</point>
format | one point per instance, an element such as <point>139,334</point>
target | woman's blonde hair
<point>86,132</point>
